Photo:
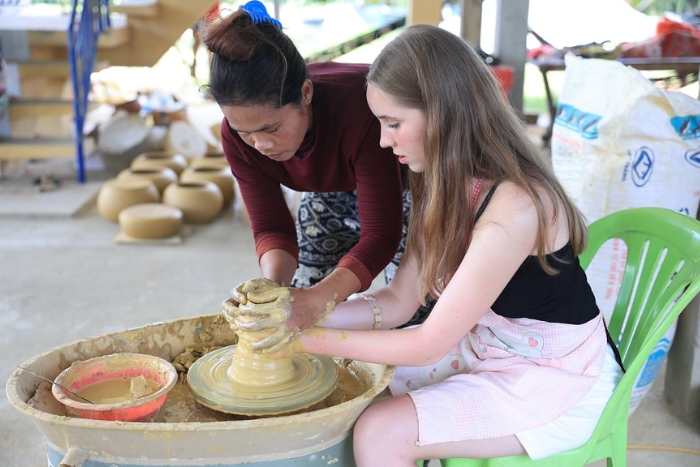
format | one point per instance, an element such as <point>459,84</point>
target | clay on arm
<point>500,244</point>
<point>397,300</point>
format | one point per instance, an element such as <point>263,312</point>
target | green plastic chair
<point>657,240</point>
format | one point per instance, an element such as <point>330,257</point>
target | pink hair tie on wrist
<point>258,13</point>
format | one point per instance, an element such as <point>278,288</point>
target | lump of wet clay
<point>139,388</point>
<point>44,400</point>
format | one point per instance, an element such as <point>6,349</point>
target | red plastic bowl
<point>119,365</point>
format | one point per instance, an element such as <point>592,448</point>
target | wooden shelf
<point>49,68</point>
<point>137,9</point>
<point>33,148</point>
<point>29,108</point>
<point>114,37</point>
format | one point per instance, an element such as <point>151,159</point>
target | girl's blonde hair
<point>471,133</point>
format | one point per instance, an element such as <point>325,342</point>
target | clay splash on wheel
<point>236,380</point>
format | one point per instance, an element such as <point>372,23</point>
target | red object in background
<point>673,39</point>
<point>504,75</point>
<point>543,50</point>
<point>212,13</point>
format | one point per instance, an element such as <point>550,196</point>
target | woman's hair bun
<point>234,37</point>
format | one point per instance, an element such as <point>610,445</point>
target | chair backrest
<point>661,276</point>
<point>663,258</point>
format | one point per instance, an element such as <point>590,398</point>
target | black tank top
<point>565,297</point>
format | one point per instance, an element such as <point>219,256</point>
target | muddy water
<point>180,406</point>
<point>116,390</point>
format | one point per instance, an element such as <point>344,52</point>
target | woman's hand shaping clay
<point>239,296</point>
<point>262,313</point>
<point>266,316</point>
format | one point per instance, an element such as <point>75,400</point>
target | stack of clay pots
<point>162,190</point>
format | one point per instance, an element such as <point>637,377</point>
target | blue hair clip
<point>258,13</point>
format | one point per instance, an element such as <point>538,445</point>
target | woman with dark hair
<point>515,357</point>
<point>308,128</point>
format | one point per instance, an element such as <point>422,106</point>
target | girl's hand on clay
<point>284,312</point>
<point>308,308</point>
<point>268,316</point>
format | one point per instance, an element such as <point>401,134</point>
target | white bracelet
<point>375,309</point>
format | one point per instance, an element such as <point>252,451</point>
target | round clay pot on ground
<point>116,195</point>
<point>150,221</point>
<point>219,175</point>
<point>161,177</point>
<point>157,159</point>
<point>199,201</point>
<point>214,159</point>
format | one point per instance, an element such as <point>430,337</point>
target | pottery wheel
<point>215,384</point>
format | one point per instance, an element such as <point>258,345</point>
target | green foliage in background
<point>659,7</point>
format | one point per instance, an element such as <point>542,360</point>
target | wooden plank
<point>424,11</point>
<point>470,27</point>
<point>31,148</point>
<point>111,38</point>
<point>45,88</point>
<point>143,11</point>
<point>43,126</point>
<point>677,64</point>
<point>151,37</point>
<point>44,69</point>
<point>27,108</point>
<point>49,68</point>
<point>140,42</point>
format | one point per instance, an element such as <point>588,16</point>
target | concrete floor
<point>63,278</point>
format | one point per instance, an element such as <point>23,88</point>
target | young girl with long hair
<point>515,357</point>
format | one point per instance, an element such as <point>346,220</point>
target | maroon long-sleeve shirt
<point>340,153</point>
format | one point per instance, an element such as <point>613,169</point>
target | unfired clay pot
<point>222,176</point>
<point>210,159</point>
<point>199,201</point>
<point>150,221</point>
<point>161,177</point>
<point>116,195</point>
<point>157,159</point>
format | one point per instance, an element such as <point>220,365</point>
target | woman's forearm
<point>278,265</point>
<point>337,286</point>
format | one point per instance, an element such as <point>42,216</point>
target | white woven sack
<point>620,142</point>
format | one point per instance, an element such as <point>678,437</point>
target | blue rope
<point>89,18</point>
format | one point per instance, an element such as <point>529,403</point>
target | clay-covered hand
<point>239,296</point>
<point>285,313</point>
<point>262,321</point>
<point>261,284</point>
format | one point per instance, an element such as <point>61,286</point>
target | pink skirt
<point>505,377</point>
